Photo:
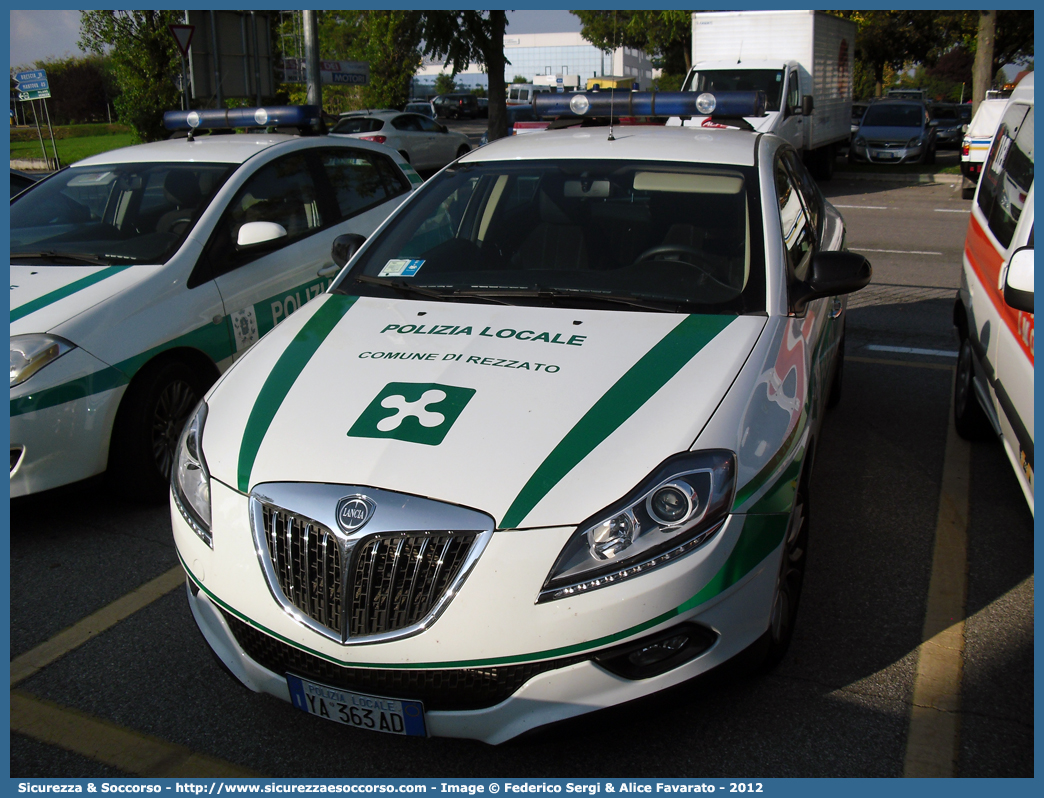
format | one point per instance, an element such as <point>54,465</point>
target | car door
<point>792,128</point>
<point>314,195</point>
<point>414,140</point>
<point>443,146</point>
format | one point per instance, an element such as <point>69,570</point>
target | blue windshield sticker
<point>401,267</point>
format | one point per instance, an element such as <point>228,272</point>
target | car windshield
<point>884,115</point>
<point>113,214</point>
<point>769,81</point>
<point>577,233</point>
<point>358,124</point>
<point>947,115</point>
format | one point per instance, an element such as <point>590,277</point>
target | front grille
<point>887,145</point>
<point>393,582</point>
<point>451,689</point>
<point>307,561</point>
<point>396,581</point>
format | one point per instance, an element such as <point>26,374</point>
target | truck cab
<point>780,80</point>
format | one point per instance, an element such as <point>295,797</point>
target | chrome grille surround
<point>389,579</point>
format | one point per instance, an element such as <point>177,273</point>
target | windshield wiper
<point>52,255</point>
<point>408,288</point>
<point>664,306</point>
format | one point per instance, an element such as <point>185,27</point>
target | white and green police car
<point>139,274</point>
<point>543,447</point>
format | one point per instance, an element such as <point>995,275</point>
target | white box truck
<point>802,60</point>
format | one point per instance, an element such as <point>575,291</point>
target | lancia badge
<point>354,511</point>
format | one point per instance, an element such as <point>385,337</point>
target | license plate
<point>371,712</point>
<point>885,154</point>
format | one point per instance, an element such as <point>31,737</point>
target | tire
<point>968,193</point>
<point>968,416</point>
<point>825,165</point>
<point>839,369</point>
<point>148,425</point>
<point>929,156</point>
<point>789,580</point>
<point>464,150</point>
<point>851,156</point>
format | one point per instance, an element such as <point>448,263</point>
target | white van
<point>977,140</point>
<point>994,310</point>
<point>523,93</point>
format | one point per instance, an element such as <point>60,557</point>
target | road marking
<point>898,251</point>
<point>878,361</point>
<point>130,751</point>
<point>907,350</point>
<point>864,207</point>
<point>934,731</point>
<point>952,210</point>
<point>25,665</point>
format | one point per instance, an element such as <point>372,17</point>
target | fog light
<point>658,653</point>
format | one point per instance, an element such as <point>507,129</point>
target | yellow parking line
<point>912,363</point>
<point>25,665</point>
<point>934,730</point>
<point>130,751</point>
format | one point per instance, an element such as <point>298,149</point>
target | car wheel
<point>929,156</point>
<point>464,150</point>
<point>839,369</point>
<point>968,416</point>
<point>851,156</point>
<point>148,425</point>
<point>968,193</point>
<point>789,580</point>
<point>827,156</point>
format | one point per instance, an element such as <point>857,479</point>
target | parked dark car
<point>951,118</point>
<point>894,131</point>
<point>20,181</point>
<point>457,106</point>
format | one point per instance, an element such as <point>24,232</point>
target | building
<point>547,56</point>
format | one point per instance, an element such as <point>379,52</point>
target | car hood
<point>888,133</point>
<point>44,297</point>
<point>537,416</point>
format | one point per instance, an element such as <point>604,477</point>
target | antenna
<point>612,91</point>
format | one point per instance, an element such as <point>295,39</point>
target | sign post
<point>183,38</point>
<point>33,85</point>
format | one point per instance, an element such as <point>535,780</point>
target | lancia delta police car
<point>543,447</point>
<point>139,274</point>
<point>993,390</point>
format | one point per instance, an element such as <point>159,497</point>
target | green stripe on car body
<point>34,305</point>
<point>654,370</point>
<point>761,535</point>
<point>211,339</point>
<point>282,377</point>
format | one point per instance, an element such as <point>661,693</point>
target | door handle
<point>329,270</point>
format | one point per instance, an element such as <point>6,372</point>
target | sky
<point>43,35</point>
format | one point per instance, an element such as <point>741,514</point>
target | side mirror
<point>1018,285</point>
<point>442,129</point>
<point>807,104</point>
<point>830,274</point>
<point>253,233</point>
<point>345,246</point>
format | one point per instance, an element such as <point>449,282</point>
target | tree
<point>520,79</point>
<point>80,88</point>
<point>144,61</point>
<point>393,50</point>
<point>894,39</point>
<point>666,35</point>
<point>466,37</point>
<point>444,83</point>
<point>983,71</point>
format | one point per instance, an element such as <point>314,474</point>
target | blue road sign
<point>36,74</point>
<point>33,85</point>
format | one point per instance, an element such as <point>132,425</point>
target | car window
<point>810,192</point>
<point>798,233</point>
<point>1008,173</point>
<point>360,179</point>
<point>406,122</point>
<point>427,125</point>
<point>358,124</point>
<point>282,192</point>
<point>674,234</point>
<point>119,213</point>
<point>793,91</point>
<point>769,81</point>
<point>886,115</point>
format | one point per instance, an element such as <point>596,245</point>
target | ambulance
<point>993,391</point>
<point>546,444</point>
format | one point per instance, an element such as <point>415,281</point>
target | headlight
<point>675,509</point>
<point>30,353</point>
<point>859,141</point>
<point>914,142</point>
<point>190,478</point>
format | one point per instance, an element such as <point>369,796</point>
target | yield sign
<point>183,36</point>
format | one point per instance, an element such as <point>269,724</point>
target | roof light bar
<point>224,119</point>
<point>592,104</point>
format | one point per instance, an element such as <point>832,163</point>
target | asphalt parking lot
<point>111,678</point>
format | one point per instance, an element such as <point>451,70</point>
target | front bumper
<point>887,155</point>
<point>493,629</point>
<point>61,423</point>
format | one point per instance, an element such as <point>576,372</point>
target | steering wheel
<point>682,249</point>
